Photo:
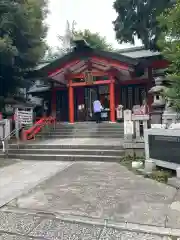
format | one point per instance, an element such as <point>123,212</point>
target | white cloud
<point>95,15</point>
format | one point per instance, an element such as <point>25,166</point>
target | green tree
<point>169,42</point>
<point>95,40</point>
<point>138,18</point>
<point>22,32</point>
<point>52,54</point>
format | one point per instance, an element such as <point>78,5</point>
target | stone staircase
<point>85,130</point>
<point>77,142</point>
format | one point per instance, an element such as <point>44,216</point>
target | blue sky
<point>95,15</point>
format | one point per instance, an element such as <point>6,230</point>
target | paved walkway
<point>22,176</point>
<point>89,200</point>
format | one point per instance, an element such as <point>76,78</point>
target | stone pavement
<point>4,162</point>
<point>26,227</point>
<point>22,176</point>
<point>92,201</point>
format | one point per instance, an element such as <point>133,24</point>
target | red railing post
<point>30,133</point>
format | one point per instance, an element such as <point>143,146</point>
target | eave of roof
<point>38,89</point>
<point>82,50</point>
<point>87,52</point>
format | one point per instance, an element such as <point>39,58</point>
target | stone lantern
<point>158,100</point>
<point>169,115</point>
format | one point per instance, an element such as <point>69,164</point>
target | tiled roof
<point>138,52</point>
<point>40,88</point>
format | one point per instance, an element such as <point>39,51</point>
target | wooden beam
<point>102,82</point>
<point>103,61</point>
<point>134,81</point>
<point>112,63</point>
<point>158,64</point>
<point>60,88</point>
<point>63,67</point>
<point>89,65</point>
<point>82,75</point>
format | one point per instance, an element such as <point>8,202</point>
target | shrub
<point>161,175</point>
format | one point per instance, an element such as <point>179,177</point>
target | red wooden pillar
<point>53,102</point>
<point>71,104</point>
<point>149,86</point>
<point>112,100</point>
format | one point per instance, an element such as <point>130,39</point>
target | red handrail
<point>36,128</point>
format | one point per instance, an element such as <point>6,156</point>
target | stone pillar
<point>128,125</point>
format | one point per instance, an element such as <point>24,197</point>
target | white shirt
<point>97,106</point>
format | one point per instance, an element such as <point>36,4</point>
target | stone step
<point>101,152</point>
<point>78,126</point>
<point>82,133</point>
<point>70,146</point>
<point>89,127</point>
<point>53,136</point>
<point>93,131</point>
<point>88,134</point>
<point>87,123</point>
<point>89,130</point>
<point>63,157</point>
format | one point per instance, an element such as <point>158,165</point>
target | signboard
<point>89,78</point>
<point>24,117</point>
<point>164,148</point>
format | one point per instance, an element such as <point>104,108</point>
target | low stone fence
<point>134,126</point>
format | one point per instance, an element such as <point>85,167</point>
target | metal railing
<point>16,131</point>
<point>6,139</point>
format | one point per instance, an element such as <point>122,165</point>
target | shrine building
<point>85,74</point>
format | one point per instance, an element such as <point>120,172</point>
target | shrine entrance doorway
<point>90,95</point>
<point>84,98</point>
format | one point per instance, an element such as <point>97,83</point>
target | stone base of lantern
<point>169,116</point>
<point>156,117</point>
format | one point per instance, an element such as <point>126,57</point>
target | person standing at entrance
<point>97,107</point>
